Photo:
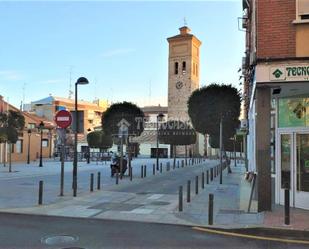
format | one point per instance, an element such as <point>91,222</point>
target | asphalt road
<point>28,232</point>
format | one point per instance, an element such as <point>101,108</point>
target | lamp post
<point>159,117</point>
<point>28,156</point>
<point>80,81</point>
<point>41,126</point>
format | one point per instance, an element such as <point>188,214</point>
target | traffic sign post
<point>63,119</point>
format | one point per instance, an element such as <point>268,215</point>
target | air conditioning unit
<point>243,124</point>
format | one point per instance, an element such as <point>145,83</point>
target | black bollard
<point>211,174</point>
<point>117,177</point>
<point>153,169</point>
<point>203,180</point>
<point>91,182</point>
<point>180,199</point>
<point>99,181</point>
<point>196,185</point>
<point>131,173</point>
<point>178,164</point>
<point>189,191</point>
<point>40,202</point>
<point>207,177</point>
<point>182,163</point>
<point>287,206</point>
<point>142,171</point>
<point>210,209</point>
<point>145,169</point>
<point>160,167</point>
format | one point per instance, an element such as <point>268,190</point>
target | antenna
<point>23,101</point>
<point>70,82</point>
<point>185,21</point>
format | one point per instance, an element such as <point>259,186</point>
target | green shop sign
<point>290,73</point>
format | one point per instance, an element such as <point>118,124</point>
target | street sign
<point>63,119</point>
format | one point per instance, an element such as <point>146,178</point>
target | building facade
<point>27,147</point>
<point>276,95</point>
<point>89,113</point>
<point>148,139</point>
<point>183,79</point>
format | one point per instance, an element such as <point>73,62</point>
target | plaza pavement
<point>129,201</point>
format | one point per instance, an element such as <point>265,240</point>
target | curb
<point>297,236</point>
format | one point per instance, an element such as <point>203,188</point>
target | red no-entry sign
<point>63,119</point>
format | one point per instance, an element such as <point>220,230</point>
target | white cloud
<point>117,52</point>
<point>10,75</point>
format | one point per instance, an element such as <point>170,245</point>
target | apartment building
<point>27,148</point>
<point>276,95</point>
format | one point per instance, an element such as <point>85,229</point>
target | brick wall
<point>276,34</point>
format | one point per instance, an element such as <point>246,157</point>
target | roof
<point>154,109</point>
<point>49,101</point>
<point>37,120</point>
<point>147,137</point>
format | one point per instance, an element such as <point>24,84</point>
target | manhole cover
<point>159,203</point>
<point>59,240</point>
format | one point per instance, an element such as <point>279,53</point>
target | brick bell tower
<point>183,77</point>
<point>183,72</point>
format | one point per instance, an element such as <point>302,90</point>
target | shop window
<point>45,143</point>
<point>19,146</point>
<point>302,7</point>
<point>176,68</point>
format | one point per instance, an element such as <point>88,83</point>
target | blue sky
<point>120,47</point>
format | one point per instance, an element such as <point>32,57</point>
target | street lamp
<point>41,126</point>
<point>80,81</point>
<point>28,156</point>
<point>159,117</point>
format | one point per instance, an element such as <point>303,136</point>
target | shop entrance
<point>293,167</point>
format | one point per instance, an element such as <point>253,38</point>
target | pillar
<point>263,148</point>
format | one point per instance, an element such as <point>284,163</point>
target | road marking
<point>251,236</point>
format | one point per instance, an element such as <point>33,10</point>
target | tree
<point>127,111</point>
<point>11,123</point>
<point>123,114</point>
<point>176,133</point>
<point>99,140</point>
<point>214,104</point>
<point>207,105</point>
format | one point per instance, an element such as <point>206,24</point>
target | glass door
<point>285,168</point>
<point>294,168</point>
<point>301,169</point>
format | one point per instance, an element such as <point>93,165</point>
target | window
<point>31,126</point>
<point>302,8</point>
<point>19,146</point>
<point>183,67</point>
<point>193,68</point>
<point>176,67</point>
<point>44,143</point>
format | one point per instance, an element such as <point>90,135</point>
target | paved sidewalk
<point>230,203</point>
